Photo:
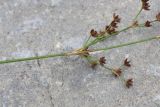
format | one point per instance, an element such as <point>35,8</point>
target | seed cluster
<point>102,61</point>
<point>113,25</point>
<point>117,72</point>
<point>129,83</point>
<point>127,63</point>
<point>148,24</point>
<point>145,4</point>
<point>111,29</point>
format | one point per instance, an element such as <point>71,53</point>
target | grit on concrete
<point>40,27</point>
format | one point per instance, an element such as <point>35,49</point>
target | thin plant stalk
<point>138,14</point>
<point>77,52</point>
<point>87,41</point>
<point>101,38</point>
<point>113,71</point>
<point>33,58</point>
<point>127,44</point>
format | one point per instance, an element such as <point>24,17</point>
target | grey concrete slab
<point>39,27</point>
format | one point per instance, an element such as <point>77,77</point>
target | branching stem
<point>77,52</point>
<point>138,14</point>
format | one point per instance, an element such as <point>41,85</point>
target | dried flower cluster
<point>102,61</point>
<point>109,30</point>
<point>135,24</point>
<point>129,83</point>
<point>145,4</point>
<point>113,25</point>
<point>118,72</point>
<point>148,24</point>
<point>94,33</point>
<point>127,63</point>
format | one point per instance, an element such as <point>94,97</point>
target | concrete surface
<point>38,27</point>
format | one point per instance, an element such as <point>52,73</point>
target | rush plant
<point>98,36</point>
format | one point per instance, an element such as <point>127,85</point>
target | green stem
<point>101,38</point>
<point>32,58</point>
<point>106,37</point>
<point>108,68</point>
<point>70,53</point>
<point>138,14</point>
<point>126,44</point>
<point>143,24</point>
<point>84,45</point>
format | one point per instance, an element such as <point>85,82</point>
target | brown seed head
<point>102,61</point>
<point>114,24</point>
<point>129,83</point>
<point>116,18</point>
<point>93,33</point>
<point>110,29</point>
<point>145,4</point>
<point>107,27</point>
<point>135,24</point>
<point>147,24</point>
<point>117,72</point>
<point>158,17</point>
<point>127,63</point>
